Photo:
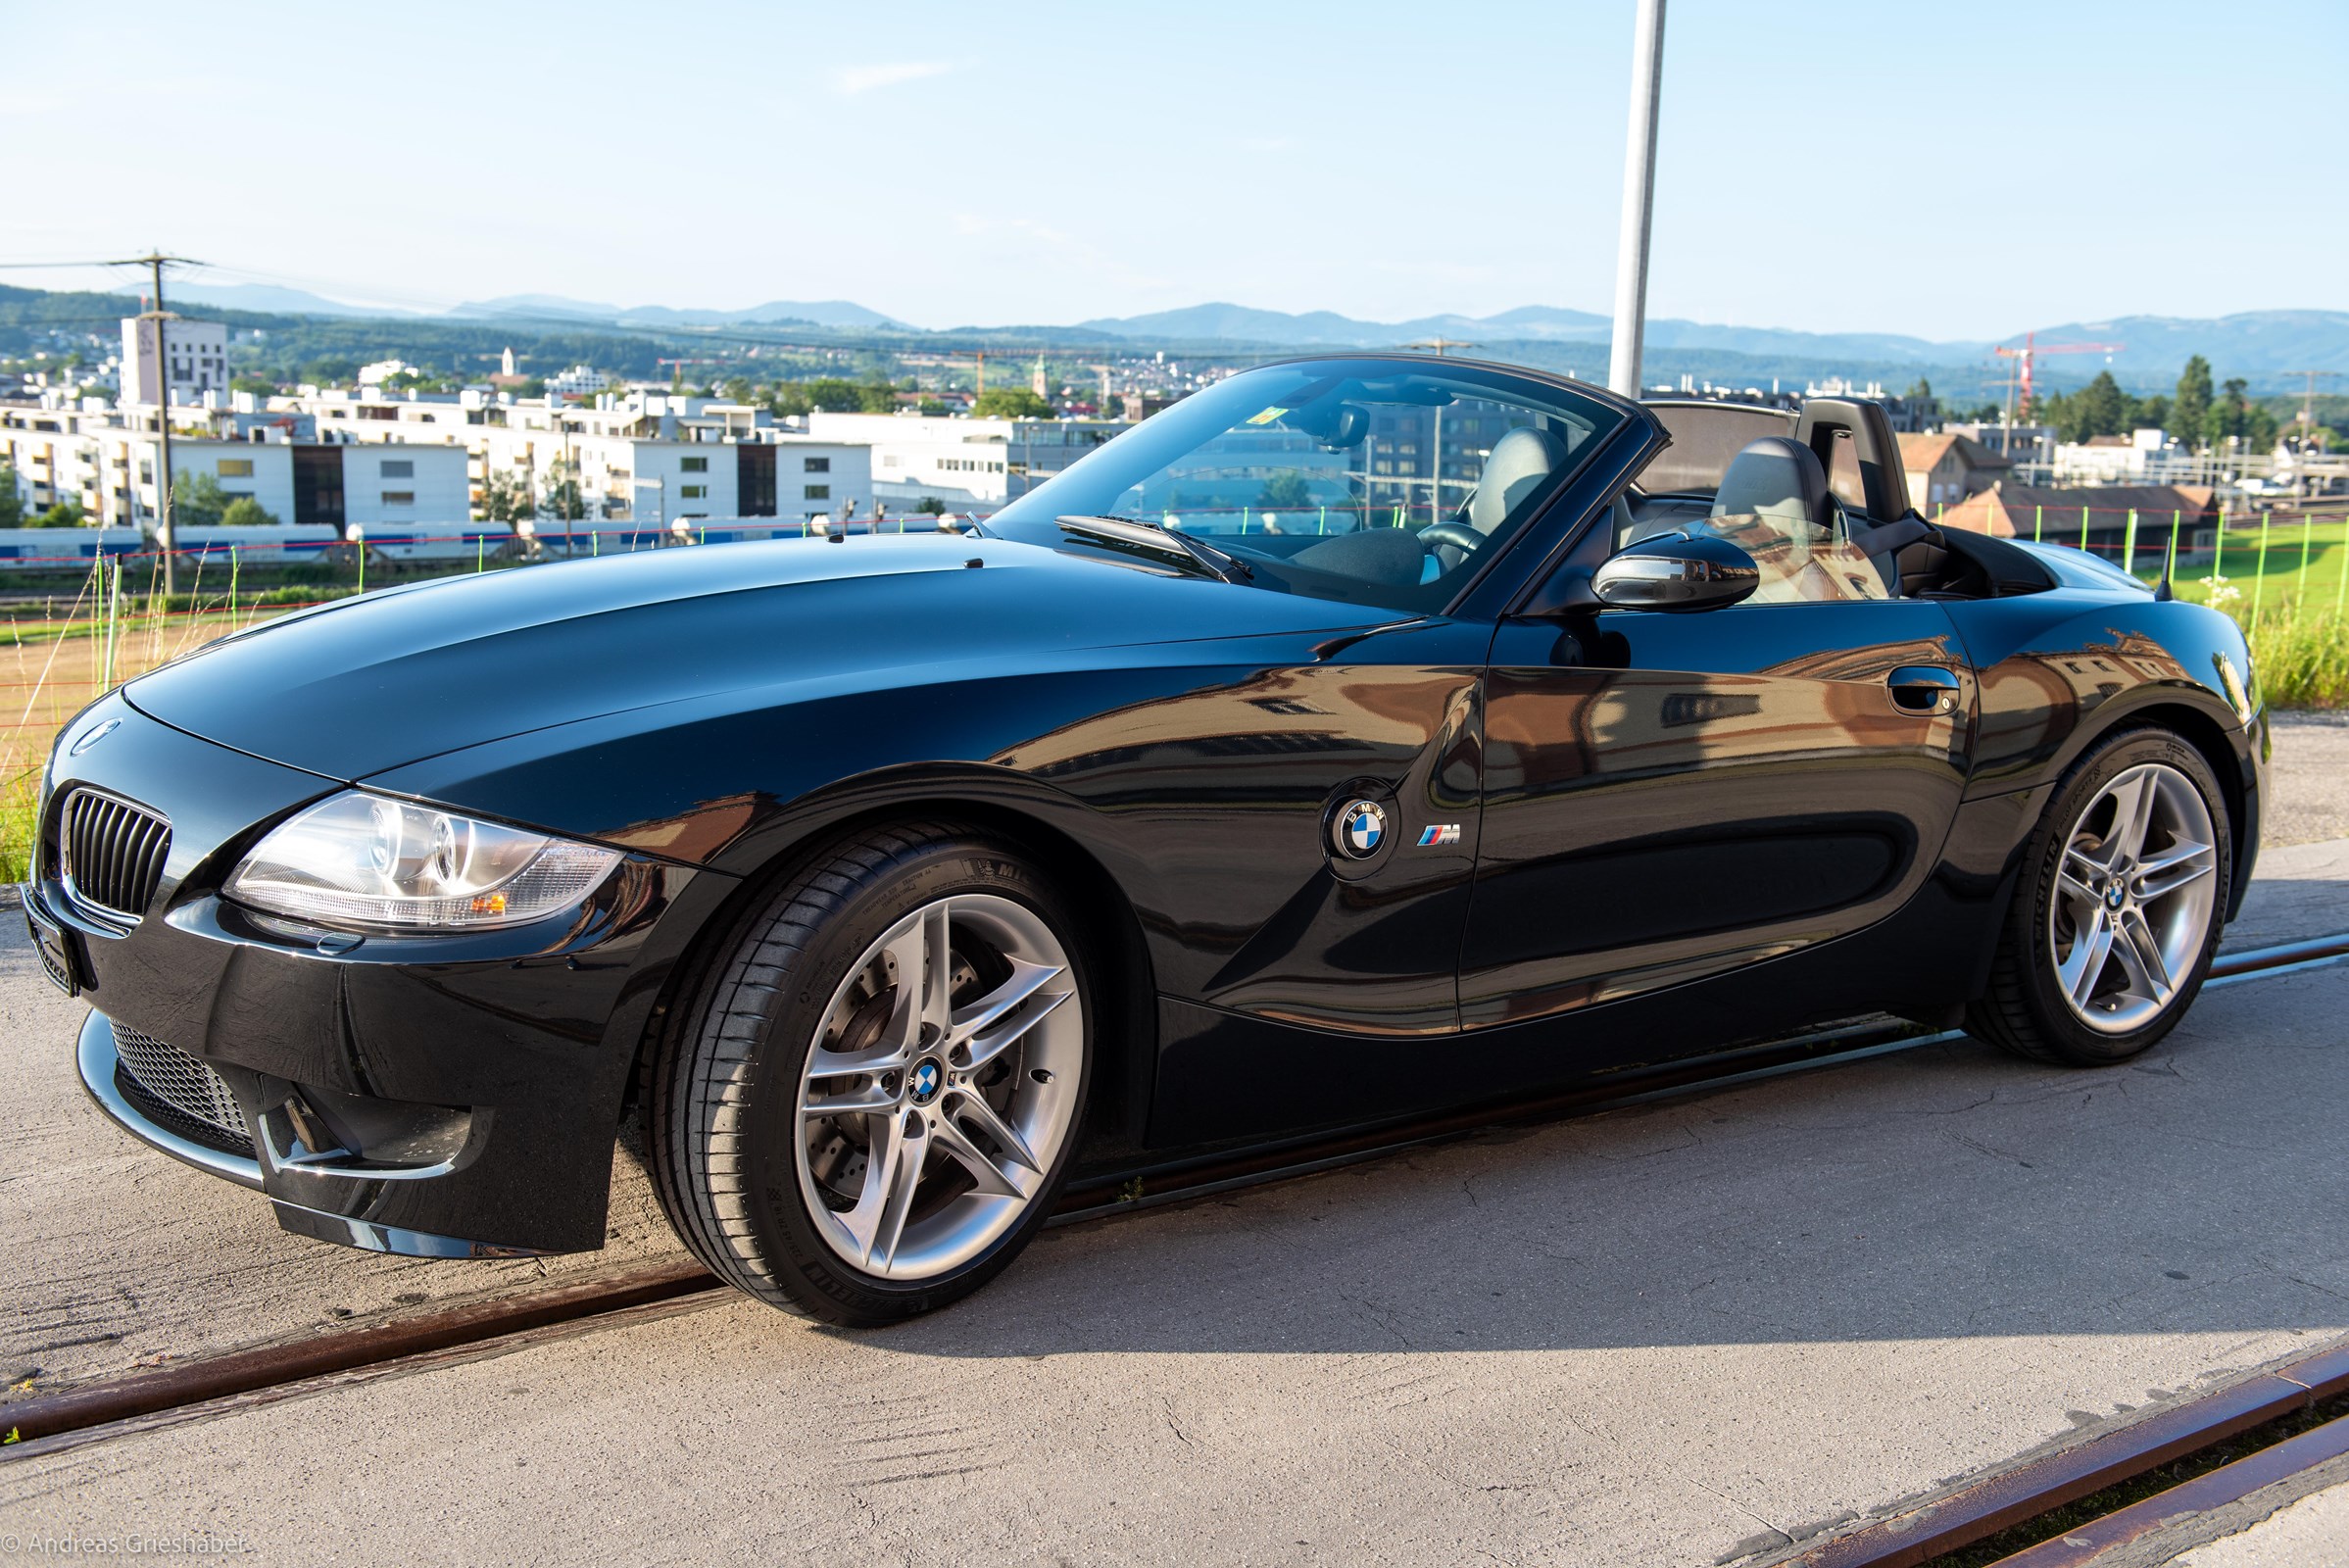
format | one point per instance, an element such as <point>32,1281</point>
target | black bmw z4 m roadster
<point>1360,737</point>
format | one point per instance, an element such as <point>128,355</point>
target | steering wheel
<point>1458,535</point>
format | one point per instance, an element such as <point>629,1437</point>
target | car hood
<point>371,683</point>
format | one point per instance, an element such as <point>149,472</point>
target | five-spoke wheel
<point>868,1105</point>
<point>2117,918</point>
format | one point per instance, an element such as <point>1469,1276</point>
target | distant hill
<point>838,314</point>
<point>2260,346</point>
<point>265,298</point>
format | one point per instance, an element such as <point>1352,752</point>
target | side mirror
<point>1675,572</point>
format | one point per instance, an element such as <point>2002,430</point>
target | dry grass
<point>57,665</point>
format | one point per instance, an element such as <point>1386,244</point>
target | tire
<point>2117,913</point>
<point>859,1151</point>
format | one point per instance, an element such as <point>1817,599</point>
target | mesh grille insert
<point>175,1079</point>
<point>111,853</point>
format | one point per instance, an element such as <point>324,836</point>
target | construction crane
<point>2030,351</point>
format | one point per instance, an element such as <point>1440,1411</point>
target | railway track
<point>1971,1513</point>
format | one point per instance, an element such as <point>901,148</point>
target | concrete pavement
<point>1695,1331</point>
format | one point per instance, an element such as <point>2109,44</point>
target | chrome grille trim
<point>183,1083</point>
<point>110,854</point>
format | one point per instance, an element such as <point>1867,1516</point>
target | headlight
<point>364,860</point>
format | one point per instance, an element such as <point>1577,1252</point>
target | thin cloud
<point>850,81</point>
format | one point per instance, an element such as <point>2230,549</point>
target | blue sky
<point>1881,166</point>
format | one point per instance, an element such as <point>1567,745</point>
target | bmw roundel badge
<point>1359,829</point>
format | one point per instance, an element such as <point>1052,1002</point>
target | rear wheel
<point>872,1102</point>
<point>2117,918</point>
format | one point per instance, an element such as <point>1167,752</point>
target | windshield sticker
<point>1267,416</point>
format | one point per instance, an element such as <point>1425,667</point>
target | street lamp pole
<point>1638,199</point>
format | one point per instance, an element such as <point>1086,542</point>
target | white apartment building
<point>650,458</point>
<point>108,466</point>
<point>188,359</point>
<point>577,380</point>
<point>963,463</point>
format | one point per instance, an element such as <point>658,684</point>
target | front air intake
<point>180,1092</point>
<point>111,854</point>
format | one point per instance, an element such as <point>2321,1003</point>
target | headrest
<point>1776,476</point>
<point>1519,463</point>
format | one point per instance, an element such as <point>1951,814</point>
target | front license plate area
<point>60,961</point>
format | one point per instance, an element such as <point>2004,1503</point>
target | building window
<point>398,468</point>
<point>236,468</point>
<point>817,492</point>
<point>693,492</point>
<point>817,466</point>
<point>399,498</point>
<point>693,465</point>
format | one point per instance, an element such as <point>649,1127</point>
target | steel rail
<point>428,1335</point>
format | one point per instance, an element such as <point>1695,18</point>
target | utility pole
<point>1638,201</point>
<point>2308,397</point>
<point>165,538</point>
<point>1436,473</point>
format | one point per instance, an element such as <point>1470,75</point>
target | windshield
<point>1384,482</point>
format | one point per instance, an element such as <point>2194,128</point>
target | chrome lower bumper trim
<point>95,1057</point>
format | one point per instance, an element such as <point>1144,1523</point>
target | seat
<point>1774,503</point>
<point>1779,479</point>
<point>1518,465</point>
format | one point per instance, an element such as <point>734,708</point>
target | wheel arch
<point>2214,741</point>
<point>1125,1026</point>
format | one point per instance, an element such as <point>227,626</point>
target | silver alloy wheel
<point>939,1087</point>
<point>2133,898</point>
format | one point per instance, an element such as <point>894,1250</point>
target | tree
<point>2227,414</point>
<point>12,500</point>
<point>2190,410</point>
<point>1921,389</point>
<point>504,498</point>
<point>740,389</point>
<point>932,507</point>
<point>197,501</point>
<point>560,501</point>
<point>833,395</point>
<point>1009,403</point>
<point>246,513</point>
<point>789,401</point>
<point>261,386</point>
<point>1285,491</point>
<point>65,514</point>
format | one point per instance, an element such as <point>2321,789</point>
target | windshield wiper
<point>1138,533</point>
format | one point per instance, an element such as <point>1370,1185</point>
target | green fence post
<point>362,564</point>
<point>2259,588</point>
<point>2219,551</point>
<point>2084,527</point>
<point>1325,522</point>
<point>112,587</point>
<point>2340,594</point>
<point>2038,523</point>
<point>232,587</point>
<point>2170,556</point>
<point>2128,544</point>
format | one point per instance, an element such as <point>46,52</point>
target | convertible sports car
<point>1362,736</point>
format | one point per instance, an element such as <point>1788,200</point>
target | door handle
<point>1924,689</point>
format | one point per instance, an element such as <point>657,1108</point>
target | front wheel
<point>873,1103</point>
<point>2117,916</point>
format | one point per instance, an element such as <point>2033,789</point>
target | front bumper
<point>101,1074</point>
<point>470,1087</point>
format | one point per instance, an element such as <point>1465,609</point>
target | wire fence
<point>2282,574</point>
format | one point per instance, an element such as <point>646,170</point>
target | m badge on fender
<point>1435,833</point>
